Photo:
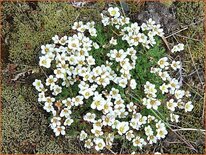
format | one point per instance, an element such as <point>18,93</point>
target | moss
<point>135,6</point>
<point>188,13</point>
<point>25,125</point>
<point>19,116</point>
<point>35,26</point>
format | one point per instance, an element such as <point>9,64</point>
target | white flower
<point>97,103</point>
<point>163,62</point>
<point>133,84</point>
<point>55,39</point>
<point>123,82</point>
<point>108,119</point>
<point>118,55</point>
<point>50,81</point>
<point>48,107</point>
<point>99,144</point>
<point>98,124</point>
<point>150,23</point>
<point>107,107</point>
<point>87,93</point>
<point>151,103</point>
<point>109,139</point>
<point>77,25</point>
<point>149,89</point>
<point>45,62</point>
<point>90,60</point>
<point>97,131</point>
<point>176,65</point>
<point>83,135</point>
<point>89,117</point>
<point>164,88</point>
<point>63,40</point>
<point>174,84</point>
<point>187,94</point>
<point>174,118</point>
<point>38,85</point>
<point>73,43</point>
<point>55,121</point>
<point>68,122</point>
<point>160,125</point>
<point>130,135</point>
<point>59,130</point>
<point>114,12</point>
<point>96,46</point>
<point>90,24</point>
<point>78,100</point>
<point>65,112</point>
<point>148,130</point>
<point>152,139</point>
<point>122,127</point>
<point>164,75</point>
<point>113,41</point>
<point>88,143</point>
<point>93,32</point>
<point>105,20</point>
<point>161,133</point>
<point>171,105</point>
<point>41,96</point>
<point>179,94</point>
<point>47,49</point>
<point>131,107</point>
<point>68,103</point>
<point>56,90</point>
<point>177,48</point>
<point>188,106</point>
<point>139,142</point>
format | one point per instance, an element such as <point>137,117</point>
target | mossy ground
<point>26,26</point>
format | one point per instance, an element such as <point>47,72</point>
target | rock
<point>160,13</point>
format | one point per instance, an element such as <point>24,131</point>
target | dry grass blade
<point>166,42</point>
<point>184,140</point>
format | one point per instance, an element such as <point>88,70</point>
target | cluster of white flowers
<point>110,115</point>
<point>170,87</point>
<point>177,48</point>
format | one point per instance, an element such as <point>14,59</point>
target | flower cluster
<point>107,113</point>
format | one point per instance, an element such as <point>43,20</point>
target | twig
<point>187,37</point>
<point>180,72</point>
<point>43,72</point>
<point>22,74</point>
<point>191,87</point>
<point>166,42</point>
<point>177,32</point>
<point>186,27</point>
<point>189,129</point>
<point>111,151</point>
<point>194,72</point>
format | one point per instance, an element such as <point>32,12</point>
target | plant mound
<point>111,80</point>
